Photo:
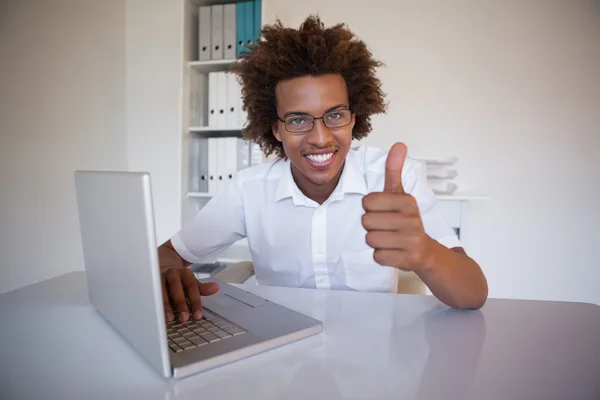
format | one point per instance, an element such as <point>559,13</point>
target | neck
<point>316,192</point>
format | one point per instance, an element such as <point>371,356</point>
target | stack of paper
<point>440,174</point>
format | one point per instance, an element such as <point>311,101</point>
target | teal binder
<point>257,20</point>
<point>249,23</point>
<point>240,30</point>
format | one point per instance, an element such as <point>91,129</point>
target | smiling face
<point>317,155</point>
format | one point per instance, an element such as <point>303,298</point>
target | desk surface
<point>54,345</point>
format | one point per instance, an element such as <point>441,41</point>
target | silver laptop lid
<point>121,259</point>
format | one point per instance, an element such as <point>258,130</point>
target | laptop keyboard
<point>196,333</point>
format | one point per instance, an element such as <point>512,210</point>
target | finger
<point>383,201</point>
<point>392,258</point>
<point>166,304</point>
<point>391,221</point>
<point>390,240</point>
<point>177,295</point>
<point>193,293</point>
<point>393,168</point>
<point>209,288</point>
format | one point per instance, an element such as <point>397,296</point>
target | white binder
<point>242,115</point>
<point>229,32</point>
<point>221,100</point>
<point>212,165</point>
<point>216,32</point>
<point>213,105</point>
<point>233,101</point>
<point>204,33</point>
<point>222,171</point>
<point>237,156</point>
<point>199,176</point>
<point>230,157</point>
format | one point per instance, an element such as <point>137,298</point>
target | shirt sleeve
<point>435,225</point>
<point>217,225</point>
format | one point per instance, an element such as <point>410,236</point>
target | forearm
<point>453,277</point>
<point>168,257</point>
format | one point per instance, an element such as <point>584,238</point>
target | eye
<point>334,116</point>
<point>297,121</point>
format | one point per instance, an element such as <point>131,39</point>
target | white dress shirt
<point>296,242</point>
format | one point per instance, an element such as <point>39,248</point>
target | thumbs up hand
<point>392,220</point>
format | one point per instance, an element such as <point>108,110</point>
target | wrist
<point>429,259</point>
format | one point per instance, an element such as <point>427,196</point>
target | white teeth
<point>319,158</point>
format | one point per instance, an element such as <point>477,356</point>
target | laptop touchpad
<point>231,303</point>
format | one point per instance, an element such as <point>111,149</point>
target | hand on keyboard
<point>180,287</point>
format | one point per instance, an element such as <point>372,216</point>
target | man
<point>323,214</point>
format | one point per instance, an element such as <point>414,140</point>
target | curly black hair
<point>312,50</point>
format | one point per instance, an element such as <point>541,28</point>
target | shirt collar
<point>351,181</point>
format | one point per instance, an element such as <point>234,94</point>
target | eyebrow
<point>305,113</point>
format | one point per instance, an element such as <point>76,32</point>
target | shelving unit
<point>194,118</point>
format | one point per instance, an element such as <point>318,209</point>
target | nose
<point>319,135</point>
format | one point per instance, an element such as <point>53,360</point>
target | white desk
<point>53,345</point>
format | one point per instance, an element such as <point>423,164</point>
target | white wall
<point>62,86</point>
<point>513,89</point>
<point>154,68</point>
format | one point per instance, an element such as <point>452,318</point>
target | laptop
<point>121,262</point>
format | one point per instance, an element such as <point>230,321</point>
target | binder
<point>198,99</point>
<point>221,99</point>
<point>216,40</point>
<point>212,165</point>
<point>204,33</point>
<point>242,114</point>
<point>240,15</point>
<point>238,156</point>
<point>230,157</point>
<point>229,33</point>
<point>257,22</point>
<point>212,99</point>
<point>198,164</point>
<point>233,102</point>
<point>248,23</point>
<point>222,171</point>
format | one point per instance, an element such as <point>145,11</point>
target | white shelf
<point>209,129</point>
<point>462,197</point>
<point>200,194</point>
<point>210,65</point>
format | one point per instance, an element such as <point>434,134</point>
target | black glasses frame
<point>312,125</point>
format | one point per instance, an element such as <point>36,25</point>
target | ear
<point>276,131</point>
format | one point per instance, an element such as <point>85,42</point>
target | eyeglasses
<point>298,123</point>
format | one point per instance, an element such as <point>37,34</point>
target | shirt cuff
<point>182,250</point>
<point>449,241</point>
